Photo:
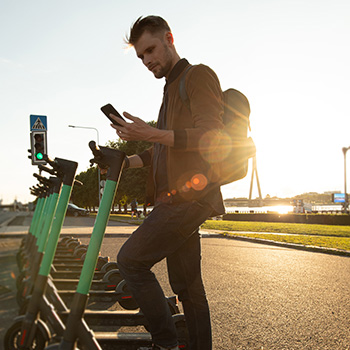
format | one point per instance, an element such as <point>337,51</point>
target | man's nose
<point>147,61</point>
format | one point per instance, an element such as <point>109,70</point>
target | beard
<point>165,68</point>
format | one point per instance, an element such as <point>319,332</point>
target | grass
<point>316,241</point>
<point>125,218</point>
<point>327,236</point>
<point>276,227</point>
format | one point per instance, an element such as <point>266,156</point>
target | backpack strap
<point>182,88</point>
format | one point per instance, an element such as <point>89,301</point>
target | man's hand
<point>139,130</point>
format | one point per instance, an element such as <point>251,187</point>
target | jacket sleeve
<point>206,106</point>
<point>146,156</point>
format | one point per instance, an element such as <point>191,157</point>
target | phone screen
<point>109,109</point>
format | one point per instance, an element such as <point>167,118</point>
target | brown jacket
<point>191,172</point>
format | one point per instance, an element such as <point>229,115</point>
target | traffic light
<point>38,143</point>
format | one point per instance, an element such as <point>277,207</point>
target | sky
<point>65,59</point>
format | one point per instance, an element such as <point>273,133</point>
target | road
<point>265,297</point>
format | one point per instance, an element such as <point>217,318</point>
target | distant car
<point>76,211</point>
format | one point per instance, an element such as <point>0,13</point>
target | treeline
<point>309,197</point>
<point>315,198</point>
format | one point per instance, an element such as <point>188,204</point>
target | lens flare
<point>215,148</point>
<point>199,182</point>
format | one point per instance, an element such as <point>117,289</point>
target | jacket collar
<point>177,70</point>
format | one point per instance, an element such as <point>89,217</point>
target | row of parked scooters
<point>60,277</point>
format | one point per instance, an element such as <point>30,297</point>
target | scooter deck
<point>110,318</point>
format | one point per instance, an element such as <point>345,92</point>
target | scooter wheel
<point>73,244</point>
<point>65,240</point>
<point>125,298</point>
<point>102,260</point>
<point>68,240</point>
<point>79,251</point>
<point>113,278</point>
<point>112,265</point>
<point>13,336</point>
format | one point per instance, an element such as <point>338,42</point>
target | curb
<point>310,248</point>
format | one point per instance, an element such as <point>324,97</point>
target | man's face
<point>155,52</point>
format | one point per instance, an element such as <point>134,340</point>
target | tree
<point>132,183</point>
<point>87,194</point>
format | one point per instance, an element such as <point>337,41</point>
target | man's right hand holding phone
<point>139,130</point>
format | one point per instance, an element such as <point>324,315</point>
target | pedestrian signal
<point>38,144</point>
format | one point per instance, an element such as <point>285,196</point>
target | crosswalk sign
<point>38,122</point>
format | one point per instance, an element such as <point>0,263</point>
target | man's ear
<point>169,38</point>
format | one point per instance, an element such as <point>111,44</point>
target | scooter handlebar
<point>108,158</point>
<point>42,179</point>
<point>51,162</point>
<point>98,155</point>
<point>48,170</point>
<point>95,149</point>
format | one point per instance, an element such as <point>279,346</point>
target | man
<point>182,185</point>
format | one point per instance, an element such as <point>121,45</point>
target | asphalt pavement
<point>261,296</point>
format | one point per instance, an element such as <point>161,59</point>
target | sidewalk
<point>8,229</point>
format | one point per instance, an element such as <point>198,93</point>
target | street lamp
<point>98,169</point>
<point>345,149</point>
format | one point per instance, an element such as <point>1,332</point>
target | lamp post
<point>98,169</point>
<point>345,149</point>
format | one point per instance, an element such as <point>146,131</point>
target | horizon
<point>227,199</point>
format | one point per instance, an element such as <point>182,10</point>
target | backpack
<point>237,146</point>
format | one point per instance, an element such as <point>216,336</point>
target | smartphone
<point>109,109</point>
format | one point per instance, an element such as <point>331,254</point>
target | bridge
<point>257,202</point>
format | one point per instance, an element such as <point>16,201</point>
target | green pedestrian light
<point>39,156</point>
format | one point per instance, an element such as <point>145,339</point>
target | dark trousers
<point>171,231</point>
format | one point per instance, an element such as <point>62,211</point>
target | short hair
<point>152,24</point>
